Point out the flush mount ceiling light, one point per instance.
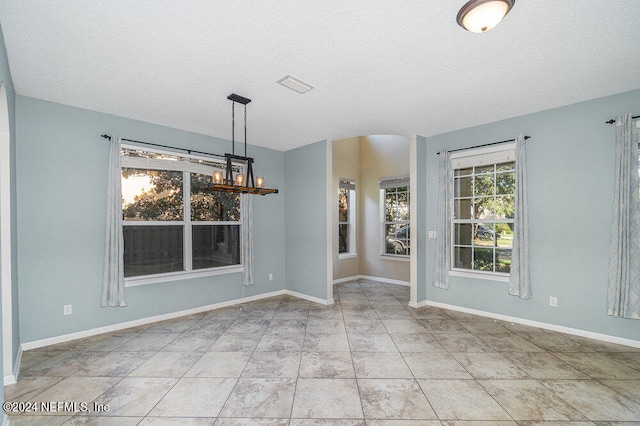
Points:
(294, 84)
(479, 16)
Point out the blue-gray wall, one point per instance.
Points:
(306, 219)
(5, 77)
(61, 183)
(570, 177)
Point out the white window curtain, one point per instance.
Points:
(519, 281)
(443, 225)
(623, 296)
(246, 217)
(113, 275)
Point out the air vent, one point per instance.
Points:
(294, 84)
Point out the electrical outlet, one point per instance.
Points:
(67, 310)
(270, 277)
(553, 301)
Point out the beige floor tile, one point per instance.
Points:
(555, 342)
(191, 341)
(326, 342)
(236, 421)
(479, 326)
(599, 366)
(281, 342)
(364, 326)
(320, 325)
(37, 420)
(489, 365)
(260, 398)
(230, 342)
(543, 365)
(628, 388)
(63, 364)
(151, 342)
(219, 364)
(529, 400)
(371, 343)
(77, 389)
(195, 397)
(380, 365)
(167, 364)
(327, 398)
(595, 400)
(104, 421)
(508, 342)
(435, 366)
(447, 325)
(326, 365)
(403, 423)
(326, 422)
(461, 400)
(135, 396)
(28, 388)
(273, 364)
(170, 421)
(462, 343)
(403, 326)
(287, 326)
(394, 399)
(422, 342)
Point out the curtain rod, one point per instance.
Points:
(613, 121)
(486, 144)
(189, 151)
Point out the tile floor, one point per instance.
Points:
(366, 360)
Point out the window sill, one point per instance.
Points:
(179, 276)
(347, 255)
(396, 258)
(490, 276)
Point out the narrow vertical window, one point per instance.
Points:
(346, 217)
(396, 233)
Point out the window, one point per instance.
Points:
(169, 224)
(394, 193)
(483, 210)
(346, 217)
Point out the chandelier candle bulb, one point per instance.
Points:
(240, 179)
(217, 177)
(259, 182)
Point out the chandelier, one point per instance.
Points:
(238, 184)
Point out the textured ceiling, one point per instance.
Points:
(377, 66)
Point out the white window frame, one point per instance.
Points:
(478, 157)
(387, 183)
(187, 167)
(350, 186)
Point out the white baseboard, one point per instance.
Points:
(418, 305)
(9, 380)
(143, 321)
(371, 278)
(543, 325)
(309, 298)
(13, 378)
(345, 280)
(385, 280)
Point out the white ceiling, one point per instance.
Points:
(377, 66)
